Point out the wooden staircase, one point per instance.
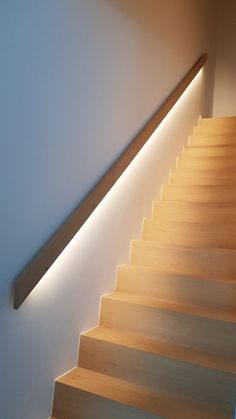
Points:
(166, 342)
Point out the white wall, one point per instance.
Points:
(78, 80)
(225, 80)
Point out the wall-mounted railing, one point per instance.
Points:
(36, 269)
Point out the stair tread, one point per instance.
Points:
(164, 349)
(230, 118)
(211, 313)
(164, 405)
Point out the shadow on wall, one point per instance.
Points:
(161, 20)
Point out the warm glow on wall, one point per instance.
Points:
(155, 143)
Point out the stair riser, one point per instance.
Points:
(208, 293)
(212, 151)
(72, 403)
(195, 194)
(212, 140)
(196, 177)
(218, 264)
(222, 130)
(211, 163)
(156, 372)
(194, 235)
(168, 211)
(210, 335)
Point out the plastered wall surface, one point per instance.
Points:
(225, 81)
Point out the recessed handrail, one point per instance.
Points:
(40, 264)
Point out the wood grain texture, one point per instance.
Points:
(99, 396)
(167, 286)
(166, 340)
(222, 164)
(210, 151)
(218, 121)
(202, 177)
(198, 212)
(215, 129)
(35, 270)
(211, 139)
(190, 234)
(163, 366)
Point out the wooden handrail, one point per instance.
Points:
(35, 270)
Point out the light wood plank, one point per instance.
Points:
(218, 121)
(89, 395)
(211, 139)
(207, 163)
(190, 234)
(214, 130)
(199, 212)
(156, 365)
(198, 262)
(202, 177)
(152, 282)
(214, 330)
(203, 193)
(210, 151)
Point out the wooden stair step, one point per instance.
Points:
(166, 350)
(219, 120)
(197, 262)
(177, 288)
(206, 163)
(190, 234)
(208, 313)
(210, 151)
(202, 177)
(202, 193)
(209, 140)
(214, 330)
(90, 395)
(165, 344)
(202, 212)
(214, 130)
(86, 394)
(156, 365)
